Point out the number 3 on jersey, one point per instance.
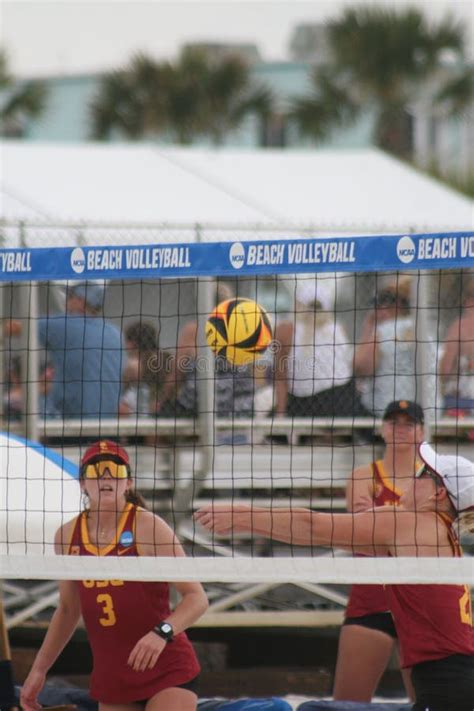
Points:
(108, 617)
(465, 607)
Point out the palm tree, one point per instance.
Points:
(130, 101)
(198, 96)
(329, 106)
(379, 58)
(227, 95)
(19, 100)
(457, 94)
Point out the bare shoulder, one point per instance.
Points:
(154, 536)
(359, 489)
(362, 473)
(148, 520)
(63, 535)
(420, 534)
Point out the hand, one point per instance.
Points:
(30, 690)
(222, 518)
(146, 652)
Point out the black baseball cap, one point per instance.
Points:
(405, 407)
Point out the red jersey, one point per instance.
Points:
(432, 621)
(370, 599)
(117, 614)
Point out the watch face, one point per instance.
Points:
(166, 628)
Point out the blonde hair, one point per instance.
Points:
(465, 522)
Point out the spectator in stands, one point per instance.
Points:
(13, 398)
(457, 362)
(234, 385)
(145, 370)
(368, 635)
(142, 656)
(13, 404)
(433, 622)
(385, 359)
(86, 353)
(314, 358)
(46, 382)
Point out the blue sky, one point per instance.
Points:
(72, 36)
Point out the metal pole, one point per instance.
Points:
(423, 365)
(205, 400)
(33, 366)
(205, 375)
(30, 353)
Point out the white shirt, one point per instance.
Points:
(395, 378)
(319, 360)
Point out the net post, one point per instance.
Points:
(206, 400)
(32, 368)
(423, 365)
(205, 375)
(30, 355)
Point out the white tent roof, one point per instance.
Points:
(335, 191)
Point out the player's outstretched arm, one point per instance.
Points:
(372, 532)
(270, 523)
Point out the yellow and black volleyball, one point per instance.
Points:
(239, 330)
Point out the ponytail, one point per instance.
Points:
(134, 497)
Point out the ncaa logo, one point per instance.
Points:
(78, 260)
(126, 539)
(237, 255)
(406, 250)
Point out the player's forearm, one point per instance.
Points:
(285, 525)
(307, 528)
(190, 609)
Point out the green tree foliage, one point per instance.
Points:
(379, 59)
(457, 94)
(18, 100)
(198, 96)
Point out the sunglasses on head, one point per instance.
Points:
(431, 474)
(98, 470)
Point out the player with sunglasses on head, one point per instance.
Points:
(141, 656)
(433, 622)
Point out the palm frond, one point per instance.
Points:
(457, 94)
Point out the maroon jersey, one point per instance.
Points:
(432, 621)
(117, 614)
(370, 599)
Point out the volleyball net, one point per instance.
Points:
(284, 429)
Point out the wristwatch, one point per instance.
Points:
(164, 630)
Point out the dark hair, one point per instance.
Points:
(388, 297)
(133, 496)
(14, 367)
(142, 335)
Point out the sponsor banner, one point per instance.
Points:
(353, 254)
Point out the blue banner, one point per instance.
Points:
(350, 254)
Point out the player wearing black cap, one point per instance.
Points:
(368, 635)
